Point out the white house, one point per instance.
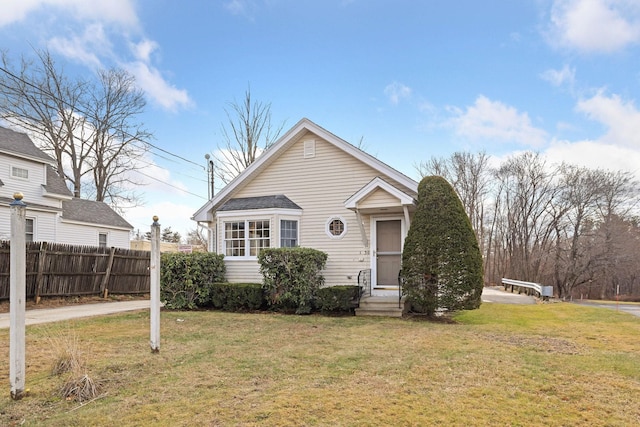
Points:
(53, 214)
(313, 189)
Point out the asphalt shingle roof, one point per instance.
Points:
(92, 212)
(55, 183)
(278, 201)
(17, 143)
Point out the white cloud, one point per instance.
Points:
(498, 122)
(620, 117)
(396, 92)
(115, 11)
(144, 49)
(595, 25)
(85, 48)
(157, 88)
(566, 75)
(594, 155)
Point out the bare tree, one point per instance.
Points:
(249, 132)
(41, 100)
(469, 174)
(117, 140)
(88, 128)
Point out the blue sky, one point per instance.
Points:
(415, 79)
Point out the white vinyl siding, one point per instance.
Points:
(31, 188)
(89, 235)
(320, 186)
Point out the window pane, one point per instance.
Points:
(258, 236)
(234, 238)
(288, 233)
(102, 240)
(29, 230)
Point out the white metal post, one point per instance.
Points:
(17, 296)
(154, 271)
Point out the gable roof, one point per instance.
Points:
(278, 201)
(372, 186)
(92, 212)
(56, 184)
(19, 144)
(290, 137)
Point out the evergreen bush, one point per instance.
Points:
(237, 296)
(441, 260)
(186, 279)
(291, 277)
(337, 298)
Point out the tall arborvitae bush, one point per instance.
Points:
(441, 260)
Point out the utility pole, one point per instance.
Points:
(210, 188)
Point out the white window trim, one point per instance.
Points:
(33, 232)
(272, 215)
(14, 168)
(329, 221)
(247, 248)
(106, 233)
(297, 221)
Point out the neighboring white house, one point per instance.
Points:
(53, 214)
(313, 189)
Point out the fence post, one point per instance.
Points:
(154, 271)
(42, 257)
(17, 282)
(104, 289)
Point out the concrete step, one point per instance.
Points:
(380, 306)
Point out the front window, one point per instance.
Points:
(29, 230)
(288, 233)
(246, 238)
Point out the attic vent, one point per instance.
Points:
(309, 148)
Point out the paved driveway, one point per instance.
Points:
(627, 308)
(499, 295)
(46, 315)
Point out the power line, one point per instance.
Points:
(86, 114)
(170, 185)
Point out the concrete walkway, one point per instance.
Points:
(46, 315)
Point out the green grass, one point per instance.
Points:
(547, 364)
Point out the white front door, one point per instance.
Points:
(387, 254)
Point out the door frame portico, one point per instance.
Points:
(375, 290)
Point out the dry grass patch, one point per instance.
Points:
(500, 365)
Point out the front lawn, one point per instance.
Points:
(546, 364)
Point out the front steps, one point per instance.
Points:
(386, 306)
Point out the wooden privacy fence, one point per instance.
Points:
(55, 269)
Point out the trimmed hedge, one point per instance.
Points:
(186, 279)
(336, 299)
(237, 296)
(291, 277)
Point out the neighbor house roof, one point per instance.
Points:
(299, 129)
(90, 211)
(17, 143)
(279, 201)
(56, 183)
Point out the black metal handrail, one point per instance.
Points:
(400, 281)
(364, 283)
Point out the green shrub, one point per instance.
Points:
(186, 279)
(291, 277)
(441, 260)
(237, 296)
(337, 298)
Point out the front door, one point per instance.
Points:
(388, 254)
